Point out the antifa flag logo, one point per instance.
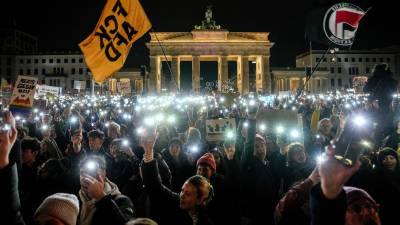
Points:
(341, 22)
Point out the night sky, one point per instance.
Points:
(61, 25)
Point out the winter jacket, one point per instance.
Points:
(326, 211)
(10, 205)
(260, 183)
(385, 189)
(393, 140)
(293, 208)
(168, 202)
(296, 173)
(114, 208)
(180, 170)
(73, 161)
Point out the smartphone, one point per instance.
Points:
(348, 148)
(4, 127)
(91, 168)
(252, 106)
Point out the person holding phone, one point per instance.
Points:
(102, 202)
(260, 178)
(185, 208)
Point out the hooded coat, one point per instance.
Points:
(114, 208)
(385, 188)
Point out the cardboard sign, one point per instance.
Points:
(21, 100)
(43, 90)
(23, 92)
(215, 129)
(79, 85)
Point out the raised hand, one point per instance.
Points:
(8, 135)
(334, 174)
(314, 176)
(147, 140)
(93, 187)
(253, 109)
(77, 142)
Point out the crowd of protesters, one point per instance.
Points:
(113, 160)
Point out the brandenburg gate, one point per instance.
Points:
(208, 42)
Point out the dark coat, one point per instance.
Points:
(225, 207)
(296, 173)
(260, 183)
(393, 140)
(325, 211)
(294, 207)
(10, 205)
(180, 171)
(73, 161)
(113, 209)
(167, 201)
(27, 185)
(385, 189)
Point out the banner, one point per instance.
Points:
(215, 129)
(22, 97)
(120, 25)
(43, 90)
(79, 85)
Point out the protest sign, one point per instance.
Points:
(22, 97)
(215, 129)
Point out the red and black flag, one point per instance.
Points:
(335, 26)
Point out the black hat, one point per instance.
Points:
(385, 152)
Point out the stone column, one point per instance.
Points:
(222, 73)
(259, 74)
(263, 75)
(326, 84)
(280, 88)
(155, 74)
(243, 74)
(196, 73)
(176, 73)
(287, 80)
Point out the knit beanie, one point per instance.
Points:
(62, 206)
(354, 194)
(209, 160)
(385, 152)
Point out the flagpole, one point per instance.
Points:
(92, 87)
(166, 59)
(308, 77)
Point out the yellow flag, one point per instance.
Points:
(314, 120)
(122, 22)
